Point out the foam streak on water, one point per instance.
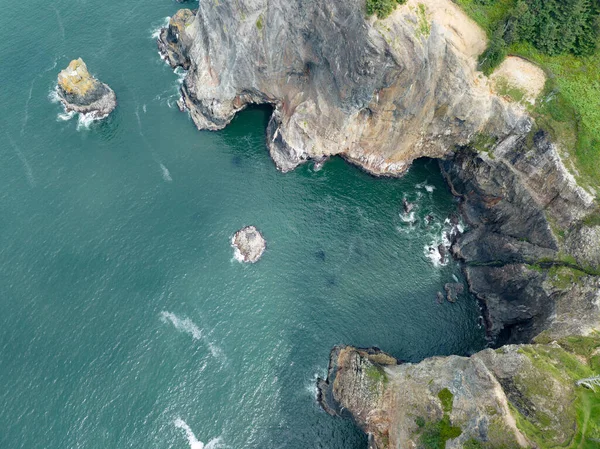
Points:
(192, 440)
(23, 159)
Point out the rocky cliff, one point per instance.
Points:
(534, 396)
(382, 93)
(378, 92)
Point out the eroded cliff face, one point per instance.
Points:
(382, 93)
(378, 92)
(518, 396)
(528, 255)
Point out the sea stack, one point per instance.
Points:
(249, 244)
(81, 92)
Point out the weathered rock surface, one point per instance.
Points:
(486, 398)
(248, 244)
(382, 93)
(513, 196)
(378, 92)
(81, 92)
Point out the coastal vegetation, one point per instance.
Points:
(562, 38)
(382, 8)
(435, 434)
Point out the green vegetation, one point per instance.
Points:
(376, 374)
(507, 90)
(561, 36)
(435, 434)
(424, 27)
(565, 366)
(382, 8)
(446, 398)
(259, 22)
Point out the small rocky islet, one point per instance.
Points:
(249, 244)
(81, 92)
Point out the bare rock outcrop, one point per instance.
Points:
(378, 92)
(484, 401)
(248, 244)
(80, 92)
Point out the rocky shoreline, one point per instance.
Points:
(381, 93)
(80, 92)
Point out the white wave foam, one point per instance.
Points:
(189, 327)
(156, 31)
(192, 440)
(427, 187)
(65, 116)
(408, 218)
(181, 74)
(237, 255)
(166, 174)
(53, 96)
(84, 121)
(144, 108)
(182, 324)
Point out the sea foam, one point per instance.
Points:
(156, 31)
(182, 324)
(192, 440)
(189, 327)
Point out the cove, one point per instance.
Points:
(125, 321)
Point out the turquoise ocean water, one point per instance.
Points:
(125, 321)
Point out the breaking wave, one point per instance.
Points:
(156, 31)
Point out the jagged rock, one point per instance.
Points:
(407, 206)
(480, 397)
(81, 92)
(248, 244)
(508, 198)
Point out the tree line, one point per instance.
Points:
(551, 26)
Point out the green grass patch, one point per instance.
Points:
(435, 434)
(382, 8)
(259, 23)
(376, 374)
(423, 25)
(567, 368)
(505, 89)
(446, 398)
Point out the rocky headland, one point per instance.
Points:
(249, 244)
(381, 93)
(80, 92)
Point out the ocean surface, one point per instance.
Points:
(125, 320)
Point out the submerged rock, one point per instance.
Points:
(249, 244)
(453, 290)
(81, 92)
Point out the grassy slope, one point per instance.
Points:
(570, 106)
(575, 359)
